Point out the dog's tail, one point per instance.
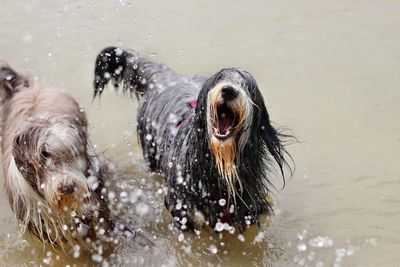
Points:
(111, 64)
(138, 74)
(10, 81)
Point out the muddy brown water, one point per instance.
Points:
(329, 71)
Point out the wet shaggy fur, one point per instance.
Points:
(53, 177)
(210, 137)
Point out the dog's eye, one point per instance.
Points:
(45, 154)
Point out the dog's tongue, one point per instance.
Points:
(225, 122)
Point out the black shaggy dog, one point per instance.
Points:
(210, 137)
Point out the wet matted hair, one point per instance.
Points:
(53, 177)
(211, 138)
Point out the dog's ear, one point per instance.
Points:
(10, 79)
(28, 153)
(273, 139)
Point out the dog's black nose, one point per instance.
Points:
(66, 189)
(228, 92)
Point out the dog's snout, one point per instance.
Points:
(228, 92)
(66, 188)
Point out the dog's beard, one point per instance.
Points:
(59, 220)
(225, 156)
(228, 127)
(67, 190)
(62, 219)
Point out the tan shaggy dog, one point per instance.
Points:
(53, 177)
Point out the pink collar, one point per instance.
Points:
(193, 105)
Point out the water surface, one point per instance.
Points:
(329, 71)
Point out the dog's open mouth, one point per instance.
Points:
(225, 122)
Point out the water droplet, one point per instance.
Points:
(213, 249)
(302, 235)
(184, 220)
(371, 241)
(97, 258)
(231, 209)
(92, 182)
(260, 237)
(219, 227)
(111, 195)
(178, 206)
(77, 251)
(179, 180)
(181, 237)
(123, 196)
(350, 251)
(301, 247)
(321, 242)
(241, 238)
